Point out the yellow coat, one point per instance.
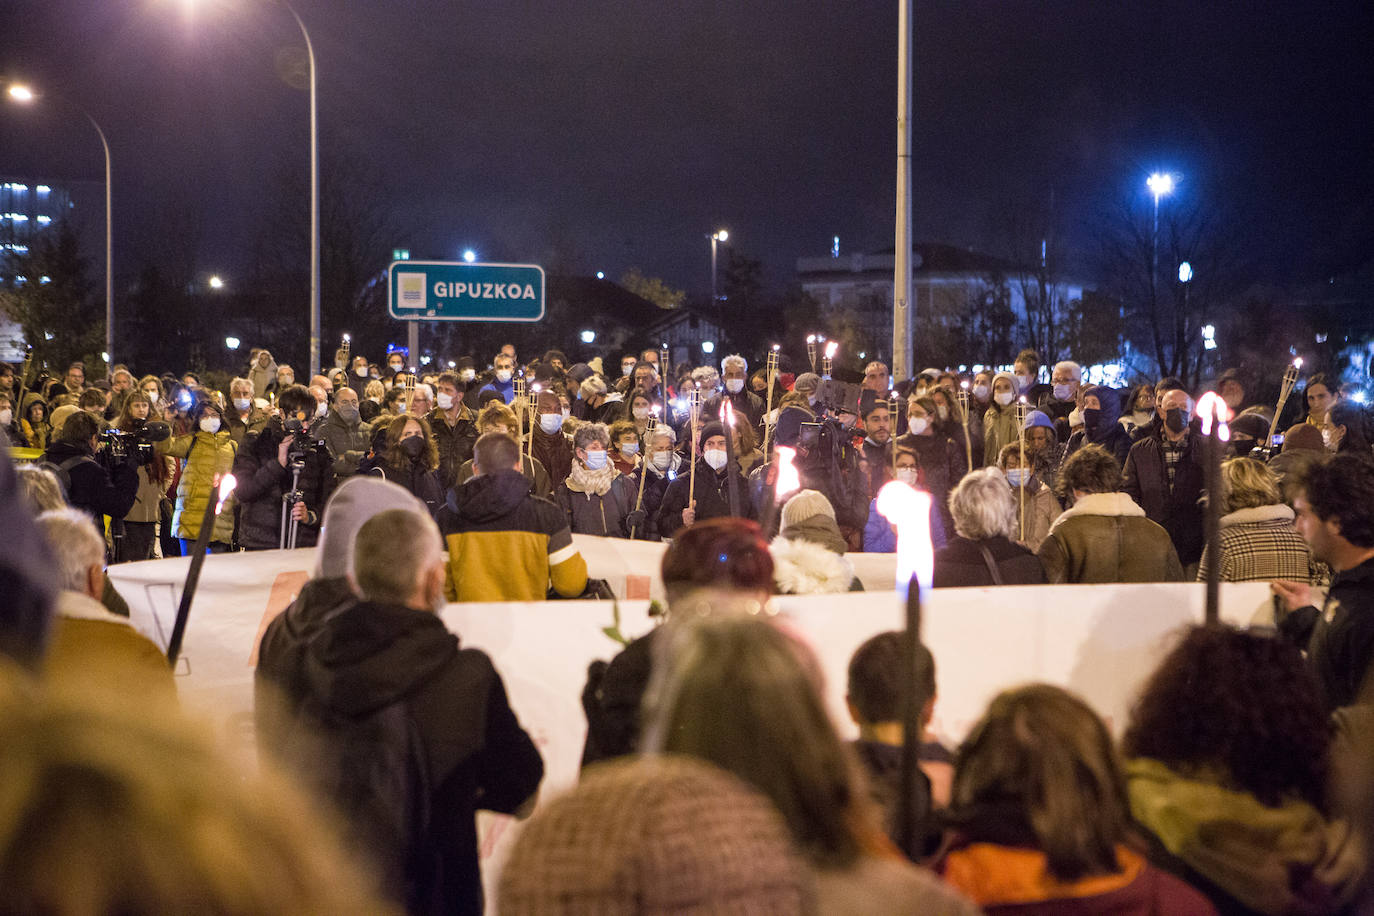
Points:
(209, 454)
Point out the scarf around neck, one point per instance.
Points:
(582, 480)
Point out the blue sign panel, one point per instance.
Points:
(459, 291)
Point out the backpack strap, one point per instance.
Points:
(991, 564)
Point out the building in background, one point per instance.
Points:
(27, 209)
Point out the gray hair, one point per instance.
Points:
(39, 489)
(982, 505)
(241, 382)
(593, 386)
(664, 430)
(588, 433)
(734, 361)
(391, 553)
(1071, 367)
(76, 546)
(706, 376)
(424, 389)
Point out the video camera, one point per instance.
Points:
(118, 446)
(304, 441)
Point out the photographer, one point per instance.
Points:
(91, 486)
(140, 524)
(826, 461)
(264, 470)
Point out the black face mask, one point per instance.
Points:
(1242, 446)
(413, 446)
(1174, 420)
(1091, 417)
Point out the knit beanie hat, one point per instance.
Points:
(353, 503)
(807, 381)
(1038, 418)
(714, 428)
(803, 506)
(654, 835)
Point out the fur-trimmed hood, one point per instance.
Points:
(803, 568)
(1110, 504)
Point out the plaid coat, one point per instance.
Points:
(1260, 545)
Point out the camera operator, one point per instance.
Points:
(91, 485)
(826, 461)
(264, 470)
(140, 524)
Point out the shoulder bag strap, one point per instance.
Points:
(991, 564)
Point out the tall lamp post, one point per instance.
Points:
(26, 95)
(1161, 184)
(716, 238)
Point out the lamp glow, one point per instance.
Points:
(1161, 184)
(469, 256)
(21, 93)
(232, 343)
(216, 282)
(708, 346)
(588, 337)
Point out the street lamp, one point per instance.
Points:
(469, 255)
(25, 95)
(716, 237)
(588, 337)
(1161, 184)
(216, 282)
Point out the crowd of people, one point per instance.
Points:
(715, 779)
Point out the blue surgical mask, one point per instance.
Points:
(1017, 476)
(550, 422)
(629, 448)
(595, 461)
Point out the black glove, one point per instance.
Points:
(635, 520)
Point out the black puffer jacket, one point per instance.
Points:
(90, 486)
(351, 660)
(261, 482)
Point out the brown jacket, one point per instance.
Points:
(1105, 537)
(95, 649)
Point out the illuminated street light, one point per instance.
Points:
(708, 347)
(469, 255)
(716, 238)
(1185, 272)
(25, 95)
(216, 282)
(601, 275)
(1161, 184)
(588, 337)
(232, 343)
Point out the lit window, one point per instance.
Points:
(44, 220)
(45, 279)
(20, 280)
(43, 189)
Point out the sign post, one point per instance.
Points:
(459, 291)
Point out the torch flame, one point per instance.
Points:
(1297, 363)
(789, 480)
(727, 413)
(226, 488)
(1209, 407)
(908, 509)
(830, 349)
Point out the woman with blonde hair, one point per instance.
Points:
(1040, 816)
(1258, 542)
(739, 692)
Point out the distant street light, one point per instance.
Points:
(1161, 184)
(232, 343)
(1185, 272)
(469, 255)
(588, 337)
(601, 275)
(708, 347)
(216, 282)
(716, 238)
(25, 95)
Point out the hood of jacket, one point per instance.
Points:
(491, 496)
(373, 654)
(1249, 850)
(801, 567)
(1110, 402)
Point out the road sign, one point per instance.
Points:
(458, 291)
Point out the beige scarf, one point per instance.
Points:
(582, 480)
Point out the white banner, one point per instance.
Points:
(1099, 641)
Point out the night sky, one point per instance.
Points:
(619, 134)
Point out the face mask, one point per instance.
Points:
(6, 416)
(629, 448)
(413, 446)
(917, 426)
(1023, 382)
(627, 368)
(812, 399)
(321, 409)
(1175, 420)
(907, 476)
(980, 392)
(640, 413)
(662, 460)
(715, 457)
(921, 391)
(550, 422)
(1017, 476)
(1091, 416)
(734, 385)
(286, 382)
(1328, 440)
(1003, 397)
(444, 400)
(348, 413)
(242, 404)
(942, 411)
(1063, 392)
(209, 424)
(1142, 417)
(503, 375)
(595, 461)
(400, 407)
(468, 375)
(361, 372)
(1075, 418)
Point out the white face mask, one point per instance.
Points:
(1142, 417)
(444, 400)
(715, 457)
(1063, 391)
(627, 368)
(1328, 440)
(641, 413)
(1075, 417)
(1004, 397)
(6, 416)
(467, 375)
(980, 392)
(396, 367)
(629, 448)
(662, 460)
(1016, 476)
(400, 407)
(503, 375)
(943, 411)
(907, 476)
(550, 422)
(595, 460)
(209, 424)
(734, 385)
(360, 372)
(242, 404)
(918, 425)
(1023, 382)
(321, 409)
